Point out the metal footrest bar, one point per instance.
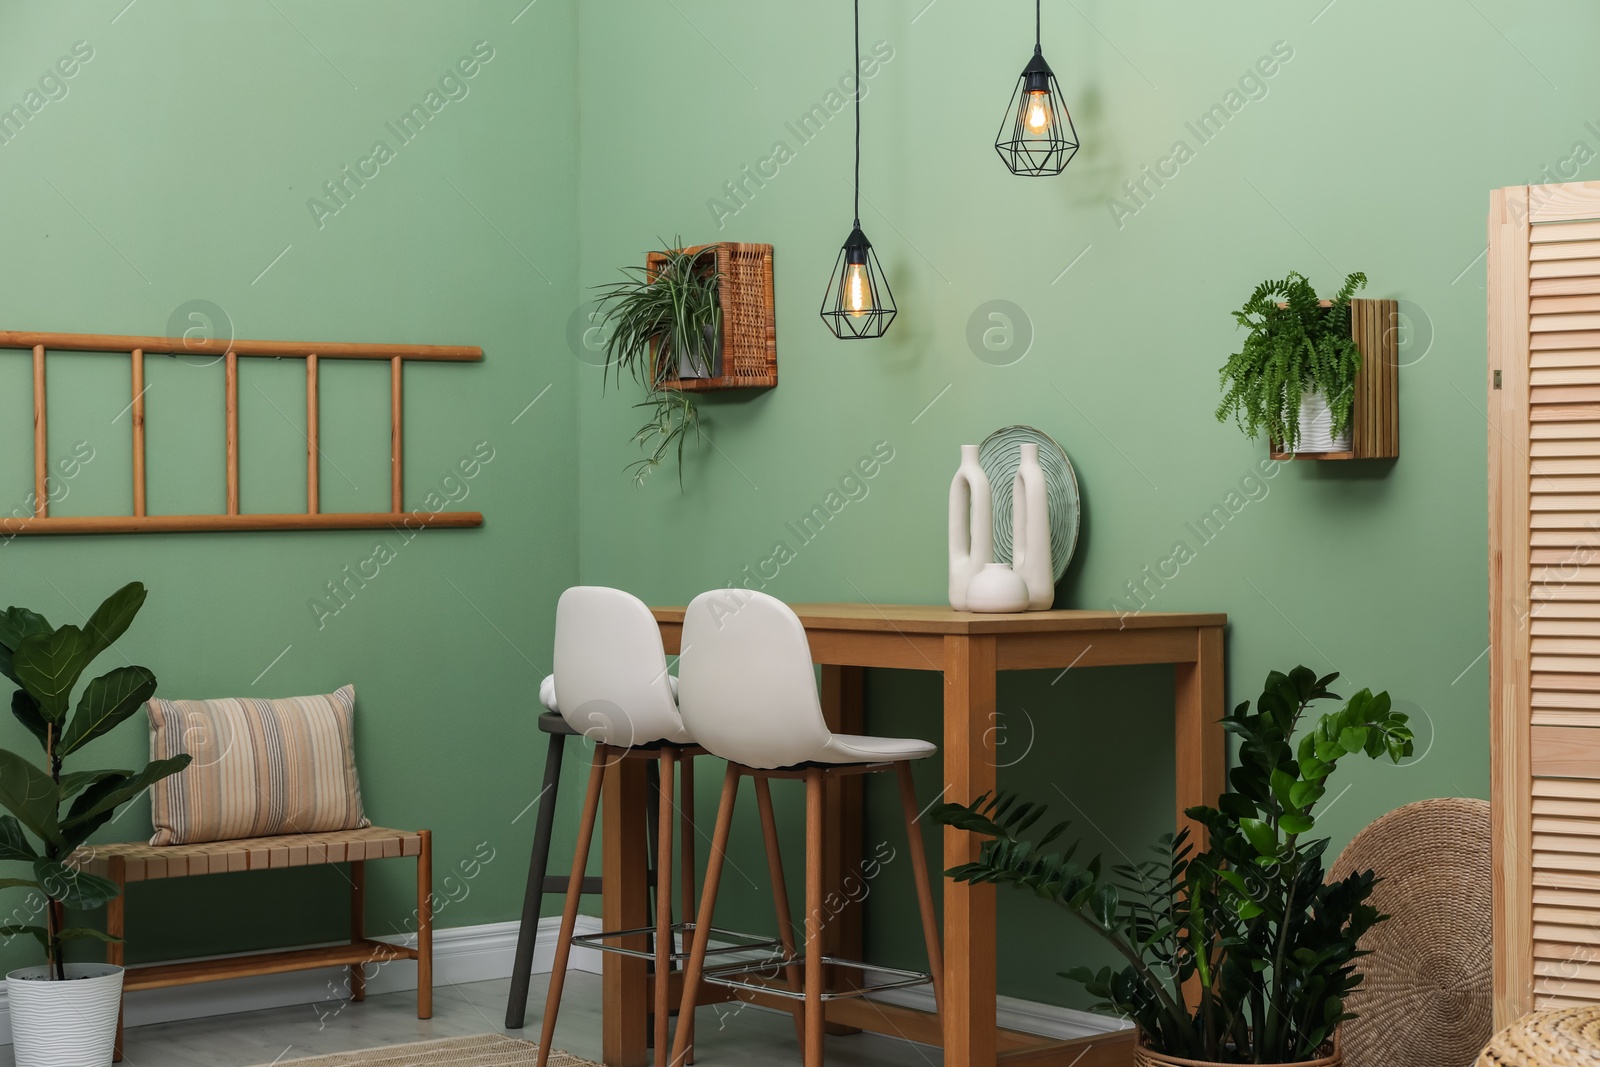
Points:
(724, 942)
(744, 976)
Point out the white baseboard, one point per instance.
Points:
(476, 954)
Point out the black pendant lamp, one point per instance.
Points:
(858, 303)
(1037, 137)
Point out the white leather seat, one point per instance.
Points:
(748, 694)
(615, 689)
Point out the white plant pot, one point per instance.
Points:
(64, 1024)
(1316, 426)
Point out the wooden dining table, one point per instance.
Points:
(969, 650)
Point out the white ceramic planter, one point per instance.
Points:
(1316, 426)
(64, 1024)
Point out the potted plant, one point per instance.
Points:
(66, 1012)
(665, 323)
(1295, 375)
(1237, 950)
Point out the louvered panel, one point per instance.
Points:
(1566, 664)
(1564, 843)
(1565, 322)
(1566, 374)
(1562, 863)
(1576, 934)
(1546, 1002)
(1565, 430)
(1567, 826)
(1565, 268)
(1574, 357)
(1567, 646)
(1559, 879)
(1563, 305)
(1549, 342)
(1583, 969)
(1560, 448)
(1572, 918)
(1574, 412)
(1554, 232)
(1548, 395)
(1576, 521)
(1566, 610)
(1554, 538)
(1565, 717)
(1562, 555)
(1563, 286)
(1549, 594)
(1569, 483)
(1559, 992)
(1545, 251)
(1561, 788)
(1564, 700)
(1545, 500)
(1567, 683)
(1572, 807)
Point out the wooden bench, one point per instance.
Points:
(139, 862)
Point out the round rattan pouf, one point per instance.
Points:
(1426, 1000)
(1565, 1037)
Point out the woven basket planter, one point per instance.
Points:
(749, 342)
(1145, 1057)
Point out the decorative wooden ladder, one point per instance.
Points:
(140, 521)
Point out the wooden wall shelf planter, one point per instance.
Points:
(749, 322)
(1375, 419)
(397, 517)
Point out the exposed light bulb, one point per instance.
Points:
(858, 298)
(1037, 109)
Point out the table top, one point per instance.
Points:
(941, 619)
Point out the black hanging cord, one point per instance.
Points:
(1038, 26)
(858, 114)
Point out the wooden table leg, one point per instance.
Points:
(844, 815)
(624, 907)
(1201, 744)
(969, 911)
(116, 914)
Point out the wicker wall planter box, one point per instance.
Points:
(1375, 419)
(749, 324)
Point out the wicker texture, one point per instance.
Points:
(484, 1050)
(1565, 1037)
(1427, 998)
(142, 862)
(1143, 1057)
(749, 322)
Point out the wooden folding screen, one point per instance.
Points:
(1544, 578)
(41, 522)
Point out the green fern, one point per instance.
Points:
(1295, 345)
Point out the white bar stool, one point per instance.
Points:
(748, 694)
(613, 688)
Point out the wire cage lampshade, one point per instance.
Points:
(1037, 137)
(858, 303)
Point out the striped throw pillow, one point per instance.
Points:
(260, 767)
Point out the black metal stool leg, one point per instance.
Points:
(528, 934)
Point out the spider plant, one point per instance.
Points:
(661, 321)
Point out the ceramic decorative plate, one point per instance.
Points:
(1000, 455)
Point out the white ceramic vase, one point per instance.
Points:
(1316, 426)
(997, 589)
(1030, 530)
(64, 1024)
(971, 525)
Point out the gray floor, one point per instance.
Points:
(747, 1037)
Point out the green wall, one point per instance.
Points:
(1372, 146)
(176, 168)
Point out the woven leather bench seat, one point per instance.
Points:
(142, 862)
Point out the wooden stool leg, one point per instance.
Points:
(814, 976)
(425, 926)
(686, 831)
(116, 914)
(652, 837)
(533, 896)
(358, 926)
(919, 872)
(569, 914)
(696, 963)
(663, 973)
(780, 900)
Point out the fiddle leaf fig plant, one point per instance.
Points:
(60, 809)
(663, 321)
(1295, 346)
(1245, 921)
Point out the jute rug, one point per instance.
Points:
(484, 1050)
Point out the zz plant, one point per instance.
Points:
(657, 320)
(1295, 345)
(62, 808)
(1245, 919)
